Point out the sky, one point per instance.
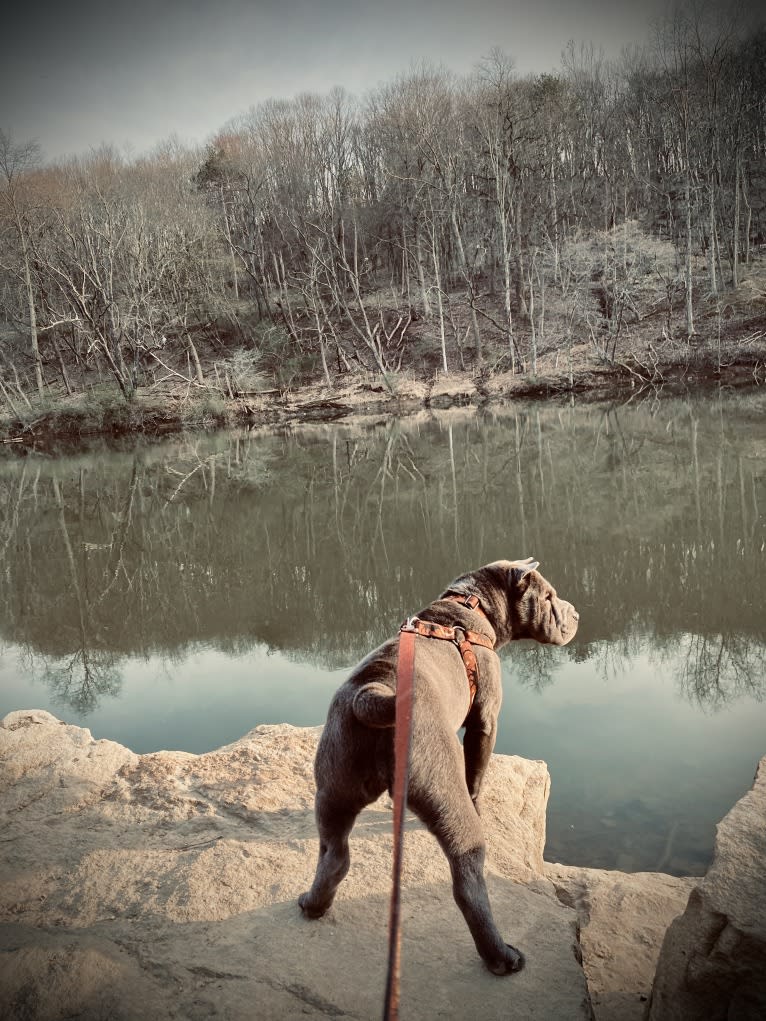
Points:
(133, 73)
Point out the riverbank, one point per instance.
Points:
(165, 885)
(178, 405)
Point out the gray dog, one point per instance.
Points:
(499, 603)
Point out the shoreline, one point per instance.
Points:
(80, 418)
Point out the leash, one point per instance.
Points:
(405, 671)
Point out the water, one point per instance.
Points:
(176, 595)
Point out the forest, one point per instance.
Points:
(610, 214)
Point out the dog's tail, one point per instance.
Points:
(374, 705)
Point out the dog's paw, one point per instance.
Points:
(514, 961)
(309, 910)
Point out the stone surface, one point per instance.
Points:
(623, 918)
(165, 886)
(713, 959)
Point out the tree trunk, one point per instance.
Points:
(421, 274)
(507, 284)
(231, 246)
(462, 262)
(712, 253)
(688, 275)
(62, 365)
(555, 220)
(533, 334)
(440, 306)
(32, 313)
(520, 267)
(195, 359)
(320, 336)
(735, 232)
(405, 269)
(749, 218)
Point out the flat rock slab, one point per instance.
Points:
(271, 963)
(623, 919)
(165, 885)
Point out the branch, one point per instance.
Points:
(59, 322)
(186, 379)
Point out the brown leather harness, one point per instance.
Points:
(460, 636)
(464, 640)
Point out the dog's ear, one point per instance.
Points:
(520, 568)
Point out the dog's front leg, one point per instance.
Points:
(477, 749)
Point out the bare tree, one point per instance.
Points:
(16, 163)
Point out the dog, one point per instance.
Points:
(499, 603)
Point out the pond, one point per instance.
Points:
(177, 595)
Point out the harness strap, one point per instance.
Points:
(472, 602)
(462, 638)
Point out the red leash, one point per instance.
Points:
(402, 735)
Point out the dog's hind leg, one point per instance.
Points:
(445, 806)
(334, 822)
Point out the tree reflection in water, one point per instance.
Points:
(720, 668)
(82, 680)
(314, 543)
(317, 541)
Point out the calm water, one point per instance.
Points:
(175, 596)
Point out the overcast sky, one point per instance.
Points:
(133, 72)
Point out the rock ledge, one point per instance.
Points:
(165, 886)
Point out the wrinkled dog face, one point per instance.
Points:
(537, 611)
